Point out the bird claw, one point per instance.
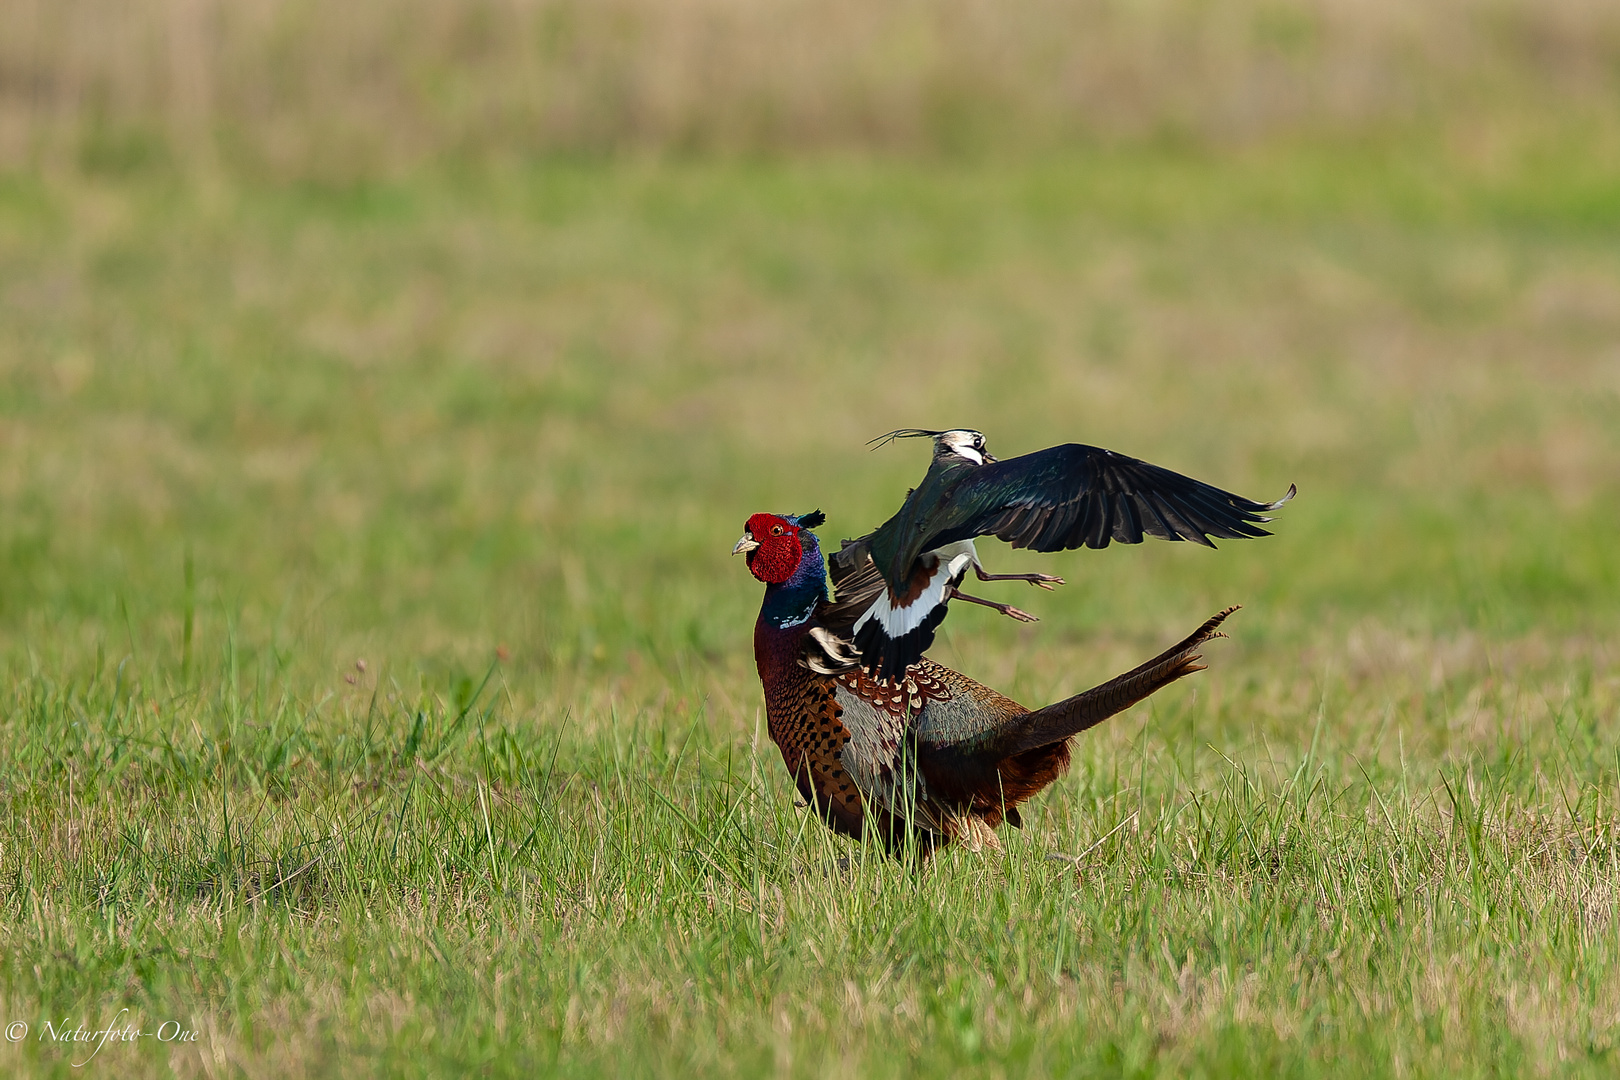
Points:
(1006, 609)
(1044, 581)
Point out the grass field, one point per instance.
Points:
(377, 688)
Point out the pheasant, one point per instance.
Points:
(1062, 497)
(921, 760)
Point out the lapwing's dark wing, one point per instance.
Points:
(855, 584)
(1084, 496)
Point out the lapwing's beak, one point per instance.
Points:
(989, 458)
(747, 543)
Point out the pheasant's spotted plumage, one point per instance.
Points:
(931, 757)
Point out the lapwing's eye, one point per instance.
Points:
(776, 530)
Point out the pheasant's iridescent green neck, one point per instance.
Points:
(793, 601)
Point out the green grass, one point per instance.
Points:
(378, 696)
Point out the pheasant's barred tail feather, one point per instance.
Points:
(1071, 716)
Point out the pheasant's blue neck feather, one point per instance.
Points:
(793, 601)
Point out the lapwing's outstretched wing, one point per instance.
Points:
(1074, 496)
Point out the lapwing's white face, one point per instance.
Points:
(965, 444)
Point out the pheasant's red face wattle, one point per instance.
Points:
(779, 551)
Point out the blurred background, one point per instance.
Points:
(296, 90)
(429, 330)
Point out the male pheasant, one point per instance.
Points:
(924, 759)
(1062, 497)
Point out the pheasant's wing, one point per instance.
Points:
(1074, 495)
(877, 744)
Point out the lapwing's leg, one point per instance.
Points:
(1006, 609)
(1045, 581)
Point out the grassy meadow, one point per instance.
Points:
(376, 692)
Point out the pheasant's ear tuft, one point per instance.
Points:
(810, 520)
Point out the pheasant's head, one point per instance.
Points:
(775, 544)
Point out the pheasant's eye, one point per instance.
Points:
(776, 530)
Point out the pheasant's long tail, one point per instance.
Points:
(1073, 715)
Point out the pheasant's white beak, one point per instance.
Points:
(747, 543)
